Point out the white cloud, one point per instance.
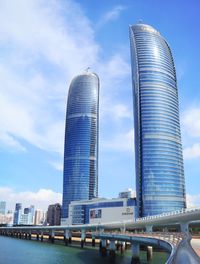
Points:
(41, 51)
(114, 74)
(115, 112)
(42, 48)
(111, 15)
(52, 31)
(191, 132)
(121, 111)
(114, 69)
(57, 165)
(193, 200)
(181, 68)
(41, 198)
(191, 122)
(36, 34)
(192, 152)
(120, 142)
(9, 140)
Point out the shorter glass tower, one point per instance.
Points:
(80, 176)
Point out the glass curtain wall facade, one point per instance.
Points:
(80, 179)
(160, 182)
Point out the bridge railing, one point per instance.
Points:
(177, 212)
(172, 237)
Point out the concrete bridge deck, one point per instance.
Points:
(171, 242)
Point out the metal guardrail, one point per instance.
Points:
(178, 212)
(172, 237)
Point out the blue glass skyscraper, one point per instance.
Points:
(80, 176)
(17, 214)
(160, 182)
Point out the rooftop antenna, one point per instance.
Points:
(140, 21)
(87, 69)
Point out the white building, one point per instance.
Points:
(39, 217)
(128, 193)
(101, 210)
(24, 219)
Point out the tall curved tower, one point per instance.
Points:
(80, 176)
(160, 182)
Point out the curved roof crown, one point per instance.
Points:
(143, 27)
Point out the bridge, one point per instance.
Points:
(136, 233)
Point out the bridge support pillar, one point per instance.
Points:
(126, 245)
(123, 229)
(70, 237)
(118, 245)
(149, 228)
(66, 240)
(82, 238)
(93, 242)
(184, 227)
(20, 235)
(122, 247)
(51, 236)
(135, 247)
(102, 248)
(26, 235)
(37, 236)
(67, 237)
(165, 229)
(149, 253)
(29, 236)
(112, 249)
(41, 237)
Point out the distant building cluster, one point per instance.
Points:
(30, 215)
(96, 210)
(6, 218)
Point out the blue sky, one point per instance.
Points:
(43, 44)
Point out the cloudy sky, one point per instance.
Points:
(43, 44)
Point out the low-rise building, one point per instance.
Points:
(100, 210)
(128, 193)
